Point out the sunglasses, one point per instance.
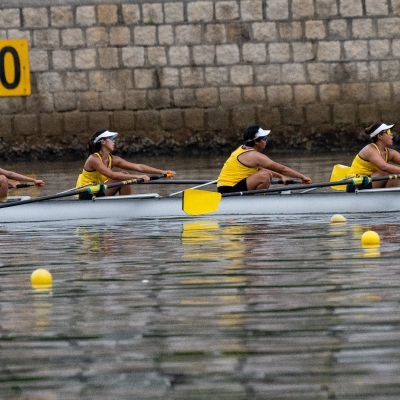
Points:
(112, 138)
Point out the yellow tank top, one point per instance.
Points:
(233, 170)
(93, 177)
(363, 167)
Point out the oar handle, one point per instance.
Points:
(21, 185)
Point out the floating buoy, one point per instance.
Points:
(337, 218)
(41, 278)
(370, 238)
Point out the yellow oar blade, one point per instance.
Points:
(339, 172)
(197, 202)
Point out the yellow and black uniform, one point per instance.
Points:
(233, 174)
(363, 167)
(92, 177)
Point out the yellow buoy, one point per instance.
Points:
(337, 218)
(41, 278)
(370, 238)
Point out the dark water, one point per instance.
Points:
(273, 308)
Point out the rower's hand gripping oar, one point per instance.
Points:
(92, 190)
(197, 202)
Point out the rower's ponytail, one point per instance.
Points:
(94, 147)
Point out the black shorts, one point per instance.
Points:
(241, 186)
(89, 196)
(350, 188)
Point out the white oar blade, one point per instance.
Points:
(197, 202)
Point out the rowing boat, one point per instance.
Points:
(152, 205)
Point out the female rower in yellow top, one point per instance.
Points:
(99, 164)
(375, 158)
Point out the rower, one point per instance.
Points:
(5, 183)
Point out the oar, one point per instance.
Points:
(92, 190)
(209, 181)
(21, 185)
(196, 202)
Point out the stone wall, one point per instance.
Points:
(181, 75)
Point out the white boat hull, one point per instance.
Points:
(153, 206)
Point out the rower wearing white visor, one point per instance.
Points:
(100, 162)
(377, 158)
(248, 169)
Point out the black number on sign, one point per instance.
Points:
(17, 68)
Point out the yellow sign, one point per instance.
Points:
(14, 68)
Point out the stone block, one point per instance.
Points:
(85, 15)
(148, 120)
(226, 10)
(207, 97)
(356, 49)
(194, 119)
(216, 76)
(390, 70)
(279, 52)
(254, 95)
(227, 54)
(242, 75)
(49, 82)
(178, 55)
(344, 113)
(315, 30)
(88, 101)
(368, 114)
(317, 114)
(10, 18)
(215, 33)
(165, 35)
(5, 124)
(61, 16)
(377, 7)
(238, 32)
(112, 100)
(135, 99)
(144, 78)
(200, 11)
(230, 96)
(363, 28)
(123, 121)
(350, 8)
(379, 49)
(188, 34)
(303, 51)
(152, 13)
(107, 14)
(326, 8)
(173, 12)
(203, 55)
(133, 56)
(108, 57)
(120, 36)
(293, 115)
(396, 91)
(97, 36)
(354, 93)
(278, 9)
(338, 29)
(46, 38)
(268, 117)
(294, 73)
(131, 14)
(35, 17)
(75, 122)
(388, 111)
(396, 47)
(243, 117)
(279, 95)
(39, 103)
(72, 37)
(268, 74)
(159, 98)
(145, 35)
(20, 34)
(396, 7)
(11, 105)
(171, 119)
(156, 55)
(368, 71)
(169, 77)
(26, 124)
(264, 31)
(184, 97)
(305, 94)
(76, 81)
(254, 52)
(51, 124)
(99, 121)
(302, 9)
(291, 30)
(38, 60)
(85, 58)
(217, 119)
(328, 51)
(65, 101)
(193, 76)
(329, 93)
(318, 73)
(98, 80)
(251, 10)
(379, 91)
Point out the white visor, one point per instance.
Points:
(380, 128)
(261, 133)
(104, 135)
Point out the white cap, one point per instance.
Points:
(261, 133)
(104, 135)
(380, 128)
